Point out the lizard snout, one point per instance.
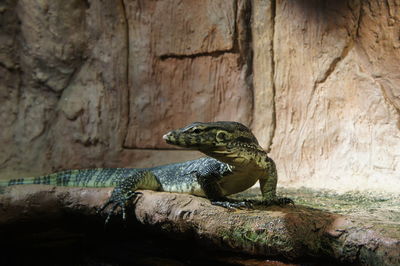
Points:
(169, 138)
(165, 137)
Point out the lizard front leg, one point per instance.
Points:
(208, 181)
(125, 190)
(213, 192)
(268, 187)
(269, 194)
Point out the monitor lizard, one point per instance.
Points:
(235, 162)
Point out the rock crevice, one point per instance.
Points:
(273, 122)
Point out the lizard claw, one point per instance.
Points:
(232, 205)
(277, 201)
(118, 201)
(284, 201)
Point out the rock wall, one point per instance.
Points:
(337, 93)
(95, 84)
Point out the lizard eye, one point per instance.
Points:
(221, 136)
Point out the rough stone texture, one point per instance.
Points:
(179, 33)
(213, 89)
(264, 123)
(95, 84)
(82, 83)
(337, 83)
(66, 106)
(180, 70)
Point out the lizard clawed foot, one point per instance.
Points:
(118, 200)
(283, 201)
(276, 201)
(232, 205)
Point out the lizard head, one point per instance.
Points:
(213, 137)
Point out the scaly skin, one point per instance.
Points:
(235, 163)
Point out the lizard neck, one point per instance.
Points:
(251, 157)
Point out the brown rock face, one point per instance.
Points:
(184, 66)
(92, 84)
(212, 88)
(336, 104)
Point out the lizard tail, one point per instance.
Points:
(98, 177)
(45, 180)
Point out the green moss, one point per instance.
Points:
(243, 236)
(378, 210)
(248, 238)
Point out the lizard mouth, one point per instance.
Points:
(171, 138)
(176, 140)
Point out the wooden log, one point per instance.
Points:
(288, 232)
